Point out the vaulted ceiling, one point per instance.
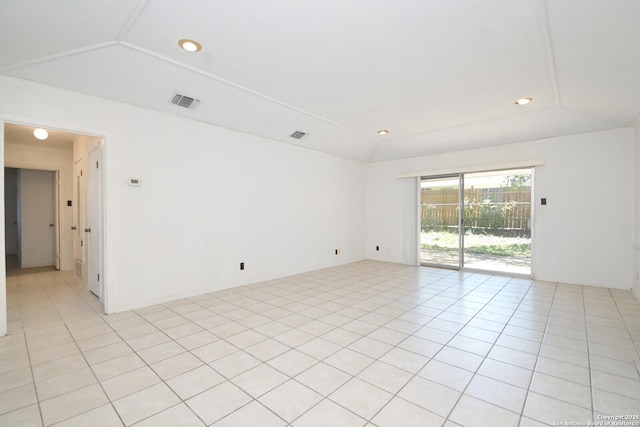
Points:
(440, 75)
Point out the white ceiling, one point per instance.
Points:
(19, 134)
(441, 75)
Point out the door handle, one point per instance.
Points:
(87, 230)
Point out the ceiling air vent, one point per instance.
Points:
(298, 134)
(184, 101)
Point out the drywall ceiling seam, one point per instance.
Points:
(56, 56)
(475, 122)
(614, 122)
(245, 89)
(553, 71)
(124, 31)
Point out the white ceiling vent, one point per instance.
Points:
(184, 101)
(298, 134)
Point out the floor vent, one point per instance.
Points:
(298, 134)
(184, 101)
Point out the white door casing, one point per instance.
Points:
(93, 225)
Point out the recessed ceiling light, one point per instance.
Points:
(523, 101)
(41, 134)
(383, 132)
(190, 45)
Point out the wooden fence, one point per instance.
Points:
(484, 208)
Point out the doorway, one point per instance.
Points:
(477, 220)
(66, 152)
(31, 218)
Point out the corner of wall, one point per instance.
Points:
(636, 247)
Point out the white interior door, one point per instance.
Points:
(78, 212)
(56, 222)
(93, 226)
(37, 191)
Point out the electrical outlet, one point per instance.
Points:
(377, 248)
(242, 266)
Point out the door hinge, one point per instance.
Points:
(81, 243)
(96, 165)
(98, 277)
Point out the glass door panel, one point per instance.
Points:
(440, 238)
(497, 221)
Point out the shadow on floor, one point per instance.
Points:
(13, 267)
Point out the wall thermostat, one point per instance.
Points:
(135, 182)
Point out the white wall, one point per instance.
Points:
(585, 233)
(211, 198)
(45, 158)
(636, 246)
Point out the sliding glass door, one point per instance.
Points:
(494, 231)
(440, 237)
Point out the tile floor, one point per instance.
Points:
(366, 344)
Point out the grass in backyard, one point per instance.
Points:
(515, 250)
(516, 247)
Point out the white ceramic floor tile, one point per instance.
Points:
(118, 366)
(349, 361)
(385, 376)
(497, 393)
(329, 414)
(214, 351)
(17, 398)
(129, 383)
(15, 378)
(145, 403)
(370, 347)
(27, 416)
(549, 410)
(557, 388)
(177, 416)
(361, 397)
(194, 382)
(505, 372)
(228, 399)
(406, 360)
(614, 404)
(447, 375)
(71, 404)
(103, 415)
(64, 383)
(323, 378)
(250, 415)
(399, 412)
(355, 334)
(259, 380)
(176, 365)
(430, 396)
(292, 362)
(473, 412)
(290, 400)
(459, 358)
